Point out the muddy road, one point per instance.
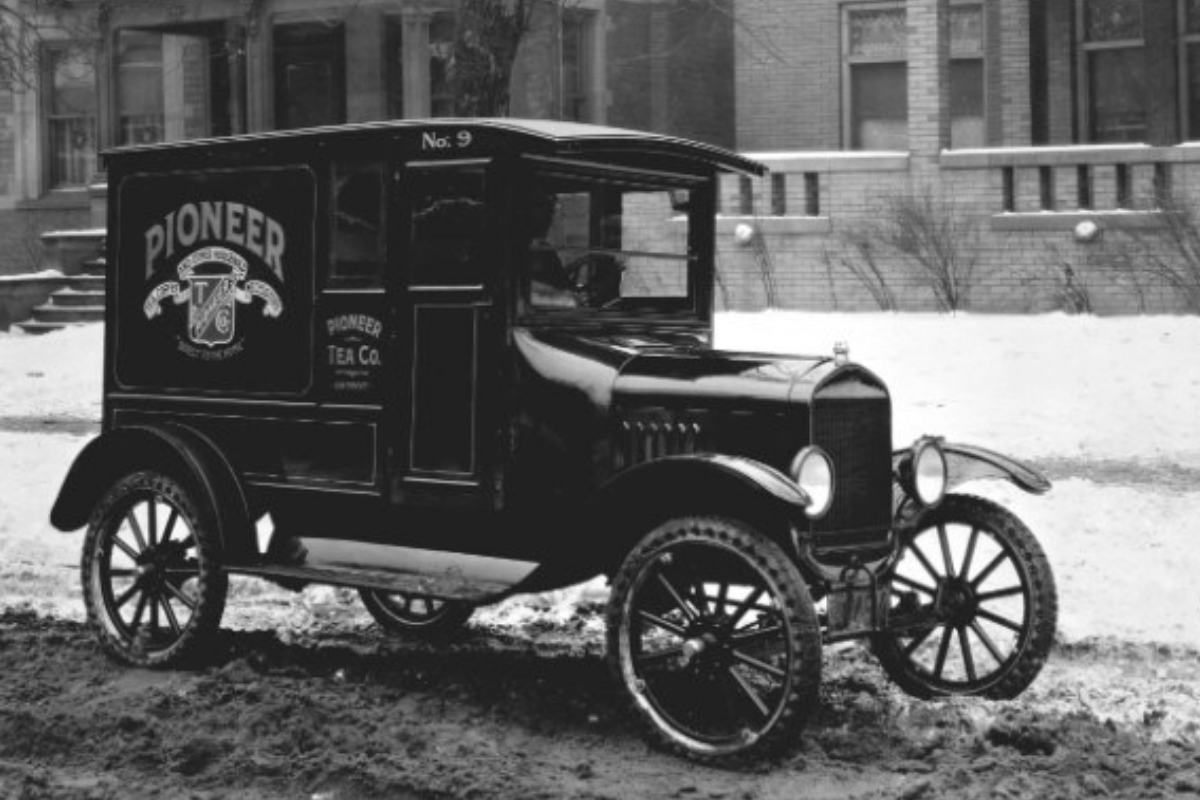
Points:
(333, 709)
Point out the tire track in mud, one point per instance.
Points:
(349, 714)
(73, 426)
(1135, 473)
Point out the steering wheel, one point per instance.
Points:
(596, 278)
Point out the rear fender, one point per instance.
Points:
(966, 463)
(634, 501)
(175, 449)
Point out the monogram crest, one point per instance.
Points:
(212, 281)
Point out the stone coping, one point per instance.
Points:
(834, 161)
(982, 158)
(1074, 155)
(77, 233)
(801, 226)
(1068, 220)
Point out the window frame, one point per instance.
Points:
(980, 56)
(582, 23)
(692, 307)
(1085, 115)
(48, 59)
(337, 32)
(1186, 42)
(849, 61)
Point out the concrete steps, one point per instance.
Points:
(80, 302)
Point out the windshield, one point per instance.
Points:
(605, 245)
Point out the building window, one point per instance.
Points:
(1190, 42)
(310, 74)
(1112, 70)
(70, 108)
(967, 123)
(876, 76)
(185, 84)
(577, 51)
(140, 109)
(441, 54)
(357, 239)
(394, 67)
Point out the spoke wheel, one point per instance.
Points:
(712, 632)
(415, 614)
(974, 606)
(151, 584)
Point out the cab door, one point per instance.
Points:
(446, 330)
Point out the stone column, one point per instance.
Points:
(366, 95)
(1060, 95)
(928, 81)
(414, 46)
(1012, 62)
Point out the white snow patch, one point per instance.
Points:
(1078, 388)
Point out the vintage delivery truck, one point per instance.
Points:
(444, 362)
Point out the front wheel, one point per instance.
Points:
(712, 632)
(151, 583)
(974, 606)
(415, 615)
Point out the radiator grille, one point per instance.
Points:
(857, 435)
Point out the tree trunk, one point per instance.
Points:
(488, 34)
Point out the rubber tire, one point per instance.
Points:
(212, 583)
(783, 737)
(449, 620)
(1042, 599)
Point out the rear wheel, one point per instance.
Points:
(974, 606)
(712, 632)
(415, 614)
(151, 583)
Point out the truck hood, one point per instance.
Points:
(616, 370)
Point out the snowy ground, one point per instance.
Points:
(1107, 406)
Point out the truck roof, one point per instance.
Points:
(551, 136)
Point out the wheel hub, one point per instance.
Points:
(699, 648)
(957, 602)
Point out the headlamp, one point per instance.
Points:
(923, 472)
(812, 470)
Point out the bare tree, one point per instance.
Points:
(938, 242)
(487, 36)
(25, 25)
(1167, 255)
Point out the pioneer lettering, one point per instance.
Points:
(212, 222)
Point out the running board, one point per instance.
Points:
(451, 576)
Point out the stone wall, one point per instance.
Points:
(1021, 209)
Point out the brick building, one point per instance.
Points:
(1016, 120)
(1013, 120)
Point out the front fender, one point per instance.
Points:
(632, 502)
(965, 462)
(747, 472)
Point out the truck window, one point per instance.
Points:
(357, 243)
(605, 245)
(447, 226)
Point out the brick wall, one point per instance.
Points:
(788, 82)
